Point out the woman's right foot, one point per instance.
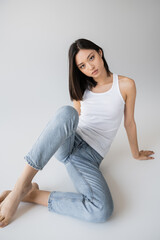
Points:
(30, 196)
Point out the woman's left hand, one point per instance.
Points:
(145, 155)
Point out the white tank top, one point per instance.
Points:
(101, 115)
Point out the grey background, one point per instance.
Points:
(34, 40)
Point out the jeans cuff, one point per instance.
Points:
(50, 202)
(31, 163)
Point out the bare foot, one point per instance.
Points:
(27, 198)
(10, 202)
(30, 194)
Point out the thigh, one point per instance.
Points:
(83, 168)
(66, 149)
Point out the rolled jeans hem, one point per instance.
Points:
(50, 202)
(30, 162)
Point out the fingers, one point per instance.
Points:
(150, 152)
(147, 153)
(145, 156)
(149, 158)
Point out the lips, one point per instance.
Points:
(95, 71)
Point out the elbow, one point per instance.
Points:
(128, 124)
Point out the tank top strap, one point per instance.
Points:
(115, 81)
(116, 86)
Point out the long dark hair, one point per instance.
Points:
(79, 82)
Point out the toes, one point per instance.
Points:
(4, 195)
(1, 218)
(3, 223)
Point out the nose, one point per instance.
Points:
(90, 66)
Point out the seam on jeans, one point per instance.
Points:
(74, 147)
(70, 150)
(83, 178)
(74, 128)
(97, 159)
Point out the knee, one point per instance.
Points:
(106, 213)
(67, 112)
(103, 214)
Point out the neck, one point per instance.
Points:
(103, 78)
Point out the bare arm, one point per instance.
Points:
(130, 124)
(77, 106)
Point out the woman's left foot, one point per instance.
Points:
(4, 194)
(9, 201)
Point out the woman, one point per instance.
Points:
(80, 137)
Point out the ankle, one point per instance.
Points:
(33, 194)
(22, 186)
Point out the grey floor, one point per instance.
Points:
(134, 186)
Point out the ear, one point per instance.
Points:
(100, 52)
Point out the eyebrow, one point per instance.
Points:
(87, 58)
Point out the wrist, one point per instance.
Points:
(135, 155)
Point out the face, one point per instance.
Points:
(89, 60)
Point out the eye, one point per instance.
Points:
(92, 57)
(81, 66)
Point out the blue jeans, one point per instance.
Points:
(93, 201)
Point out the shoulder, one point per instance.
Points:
(126, 81)
(127, 84)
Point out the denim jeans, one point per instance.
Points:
(93, 201)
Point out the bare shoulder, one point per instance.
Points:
(127, 86)
(126, 82)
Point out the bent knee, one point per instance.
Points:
(103, 214)
(106, 214)
(68, 111)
